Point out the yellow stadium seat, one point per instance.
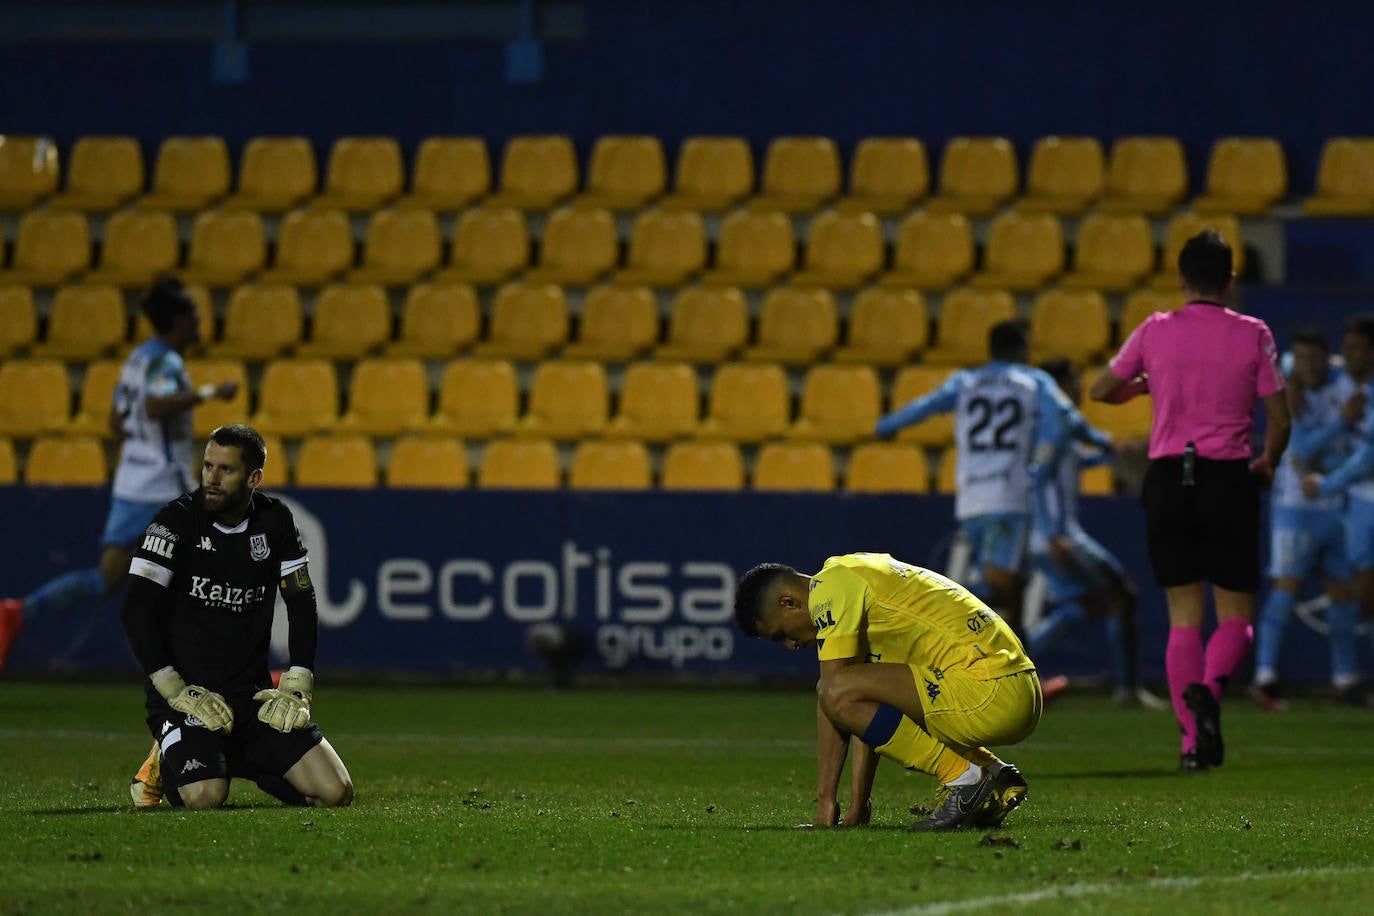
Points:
(139, 246)
(387, 397)
(946, 481)
(747, 403)
(1345, 179)
(598, 464)
(888, 175)
(537, 173)
(626, 173)
(1245, 176)
(9, 467)
(707, 324)
(18, 319)
(1066, 174)
(800, 174)
(314, 247)
(88, 320)
(215, 412)
(794, 466)
(297, 397)
(28, 171)
(887, 467)
(887, 327)
(1024, 251)
(477, 398)
(226, 247)
(1112, 252)
(363, 174)
(489, 247)
(66, 461)
(340, 461)
(966, 317)
(276, 472)
(1145, 175)
(666, 248)
(755, 249)
(528, 321)
(618, 324)
(579, 247)
(1183, 227)
(796, 327)
(713, 174)
(843, 251)
(104, 174)
(205, 321)
(840, 405)
(35, 397)
(438, 320)
(1123, 422)
(703, 466)
(52, 247)
(352, 320)
(96, 399)
(428, 462)
(1142, 304)
(1072, 324)
(1097, 481)
(261, 321)
(977, 176)
(401, 246)
(520, 464)
(569, 399)
(450, 173)
(190, 174)
(276, 174)
(658, 402)
(934, 251)
(911, 383)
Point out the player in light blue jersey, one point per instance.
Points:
(998, 410)
(1082, 579)
(1353, 477)
(152, 415)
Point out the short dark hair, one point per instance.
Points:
(1204, 262)
(1059, 369)
(1310, 334)
(246, 439)
(749, 594)
(1361, 324)
(164, 301)
(1007, 342)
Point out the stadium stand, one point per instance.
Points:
(138, 246)
(528, 321)
(840, 405)
(450, 173)
(18, 319)
(103, 174)
(297, 397)
(667, 248)
(933, 252)
(1065, 176)
(490, 245)
(887, 176)
(966, 317)
(796, 328)
(706, 325)
(1072, 324)
(96, 399)
(1112, 252)
(520, 464)
(401, 247)
(713, 174)
(351, 320)
(1345, 179)
(977, 176)
(205, 319)
(88, 320)
(34, 397)
(1246, 176)
(658, 402)
(9, 465)
(887, 327)
(579, 248)
(276, 174)
(1183, 226)
(52, 247)
(618, 323)
(887, 467)
(438, 320)
(1145, 175)
(215, 412)
(754, 249)
(748, 403)
(28, 171)
(478, 398)
(1141, 304)
(341, 461)
(912, 382)
(794, 466)
(569, 400)
(190, 174)
(363, 174)
(843, 251)
(428, 462)
(314, 247)
(800, 174)
(226, 247)
(537, 173)
(67, 461)
(261, 321)
(703, 466)
(598, 464)
(387, 397)
(625, 174)
(1024, 251)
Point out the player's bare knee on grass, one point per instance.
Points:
(208, 793)
(338, 794)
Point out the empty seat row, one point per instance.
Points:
(977, 175)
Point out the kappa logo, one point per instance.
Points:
(258, 548)
(932, 689)
(205, 544)
(159, 545)
(191, 766)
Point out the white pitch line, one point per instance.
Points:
(1101, 889)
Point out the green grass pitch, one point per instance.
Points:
(492, 800)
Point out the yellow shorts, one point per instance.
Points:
(963, 712)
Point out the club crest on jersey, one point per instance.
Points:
(257, 544)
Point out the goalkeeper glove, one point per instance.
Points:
(192, 700)
(287, 707)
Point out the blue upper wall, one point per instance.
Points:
(1192, 68)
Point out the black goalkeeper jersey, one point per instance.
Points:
(215, 615)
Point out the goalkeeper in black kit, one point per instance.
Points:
(199, 616)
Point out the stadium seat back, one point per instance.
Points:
(979, 168)
(1023, 250)
(18, 319)
(626, 172)
(1346, 168)
(839, 404)
(87, 320)
(297, 397)
(363, 172)
(1148, 169)
(1128, 421)
(313, 247)
(437, 320)
(887, 467)
(912, 382)
(98, 381)
(260, 321)
(600, 464)
(190, 173)
(1144, 303)
(794, 466)
(537, 171)
(1097, 481)
(226, 246)
(886, 327)
(276, 174)
(215, 412)
(139, 246)
(338, 461)
(894, 169)
(477, 398)
(578, 247)
(618, 323)
(67, 461)
(933, 250)
(667, 245)
(966, 318)
(759, 245)
(703, 466)
(351, 319)
(428, 462)
(801, 167)
(52, 246)
(527, 321)
(387, 397)
(658, 402)
(714, 172)
(103, 173)
(28, 171)
(34, 397)
(946, 475)
(747, 403)
(490, 244)
(450, 172)
(569, 399)
(520, 464)
(1072, 324)
(400, 246)
(1065, 173)
(796, 326)
(9, 465)
(706, 324)
(844, 248)
(1245, 173)
(1112, 251)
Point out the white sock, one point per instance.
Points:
(1265, 676)
(967, 778)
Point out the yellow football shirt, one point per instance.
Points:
(875, 608)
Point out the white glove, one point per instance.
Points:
(287, 706)
(192, 700)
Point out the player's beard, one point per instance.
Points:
(230, 505)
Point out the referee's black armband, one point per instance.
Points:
(144, 617)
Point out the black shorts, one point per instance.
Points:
(252, 750)
(1208, 532)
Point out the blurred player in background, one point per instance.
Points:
(198, 614)
(152, 415)
(915, 668)
(1307, 536)
(998, 411)
(1082, 579)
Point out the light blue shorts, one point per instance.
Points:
(996, 539)
(1094, 568)
(127, 521)
(1359, 532)
(1304, 542)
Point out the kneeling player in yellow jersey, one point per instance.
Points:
(913, 666)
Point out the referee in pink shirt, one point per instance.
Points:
(1205, 366)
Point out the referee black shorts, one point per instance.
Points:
(1207, 532)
